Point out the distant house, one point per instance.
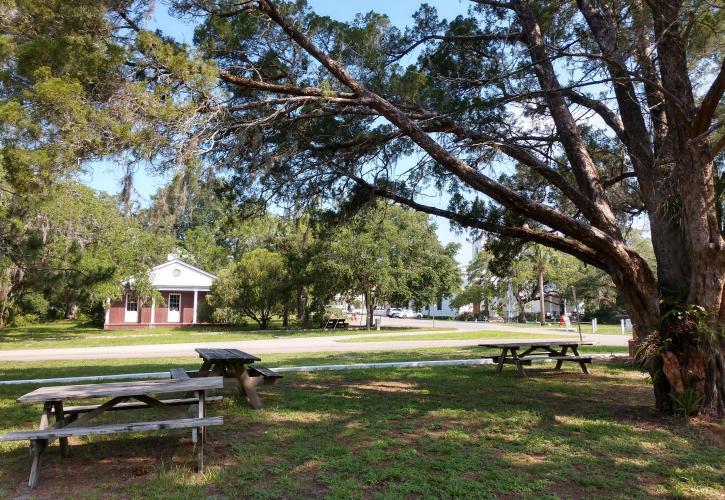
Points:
(183, 287)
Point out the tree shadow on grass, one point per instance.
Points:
(447, 432)
(62, 330)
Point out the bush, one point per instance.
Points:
(26, 319)
(465, 316)
(33, 303)
(607, 313)
(203, 312)
(333, 312)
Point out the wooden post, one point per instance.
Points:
(36, 449)
(58, 408)
(201, 396)
(153, 311)
(196, 298)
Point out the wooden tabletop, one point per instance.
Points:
(226, 354)
(115, 389)
(545, 343)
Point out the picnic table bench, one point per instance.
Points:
(333, 323)
(231, 364)
(72, 421)
(536, 351)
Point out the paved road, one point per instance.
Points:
(296, 345)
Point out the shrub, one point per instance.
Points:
(606, 313)
(26, 319)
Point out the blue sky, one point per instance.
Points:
(106, 176)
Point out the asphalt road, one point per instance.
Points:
(300, 345)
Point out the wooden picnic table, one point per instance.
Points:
(71, 421)
(233, 365)
(334, 323)
(538, 350)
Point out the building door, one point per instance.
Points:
(131, 313)
(174, 308)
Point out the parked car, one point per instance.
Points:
(394, 312)
(406, 313)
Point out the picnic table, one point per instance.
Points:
(535, 350)
(72, 421)
(333, 323)
(234, 366)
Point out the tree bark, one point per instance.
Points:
(71, 310)
(300, 303)
(370, 310)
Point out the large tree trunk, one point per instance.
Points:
(370, 310)
(71, 310)
(300, 304)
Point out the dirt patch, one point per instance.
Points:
(378, 386)
(711, 432)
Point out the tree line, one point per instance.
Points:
(73, 249)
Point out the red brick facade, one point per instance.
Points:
(117, 311)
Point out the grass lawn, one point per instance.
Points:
(586, 327)
(74, 334)
(483, 334)
(444, 432)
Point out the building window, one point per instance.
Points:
(174, 302)
(131, 303)
(439, 306)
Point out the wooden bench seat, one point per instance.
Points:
(40, 439)
(581, 360)
(527, 360)
(138, 405)
(96, 430)
(262, 371)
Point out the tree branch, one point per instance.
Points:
(710, 103)
(552, 240)
(591, 235)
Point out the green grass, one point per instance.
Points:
(74, 334)
(585, 327)
(483, 335)
(424, 432)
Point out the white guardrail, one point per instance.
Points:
(281, 369)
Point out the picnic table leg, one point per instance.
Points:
(501, 360)
(200, 431)
(560, 362)
(582, 364)
(519, 367)
(37, 446)
(204, 370)
(59, 417)
(248, 385)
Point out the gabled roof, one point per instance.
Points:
(184, 264)
(177, 274)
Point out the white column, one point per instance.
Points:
(196, 296)
(108, 311)
(153, 310)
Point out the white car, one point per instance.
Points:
(394, 312)
(405, 314)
